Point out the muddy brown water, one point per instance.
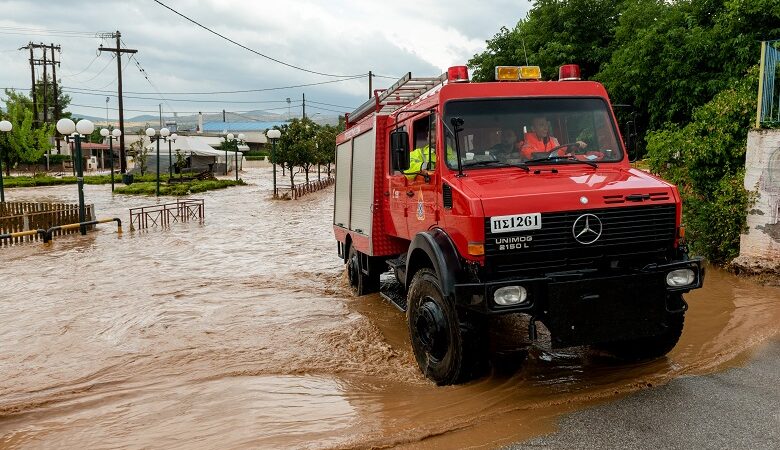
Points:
(240, 332)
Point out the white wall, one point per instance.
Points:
(761, 244)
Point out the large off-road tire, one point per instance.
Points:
(649, 347)
(360, 282)
(449, 344)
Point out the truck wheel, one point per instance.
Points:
(360, 283)
(448, 344)
(649, 347)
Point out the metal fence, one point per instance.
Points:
(768, 113)
(16, 217)
(164, 215)
(288, 192)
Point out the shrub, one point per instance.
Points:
(706, 160)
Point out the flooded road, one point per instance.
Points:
(241, 332)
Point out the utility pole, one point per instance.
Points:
(45, 113)
(54, 63)
(45, 62)
(370, 79)
(160, 105)
(304, 106)
(32, 77)
(118, 51)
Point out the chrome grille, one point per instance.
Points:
(634, 233)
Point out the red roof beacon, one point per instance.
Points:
(569, 72)
(458, 74)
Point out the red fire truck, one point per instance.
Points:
(457, 189)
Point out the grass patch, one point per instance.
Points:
(177, 189)
(46, 180)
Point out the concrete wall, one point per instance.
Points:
(761, 245)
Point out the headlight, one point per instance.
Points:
(680, 277)
(510, 295)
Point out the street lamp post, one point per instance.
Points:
(273, 135)
(173, 138)
(228, 138)
(83, 127)
(241, 139)
(152, 134)
(111, 135)
(5, 127)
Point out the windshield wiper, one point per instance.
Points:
(563, 159)
(491, 162)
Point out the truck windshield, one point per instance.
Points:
(539, 130)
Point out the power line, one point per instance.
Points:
(330, 104)
(326, 109)
(146, 76)
(243, 91)
(97, 74)
(85, 69)
(252, 50)
(32, 30)
(183, 100)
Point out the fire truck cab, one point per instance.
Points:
(508, 198)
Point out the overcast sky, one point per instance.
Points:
(343, 37)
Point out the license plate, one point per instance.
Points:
(519, 222)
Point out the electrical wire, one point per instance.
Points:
(243, 91)
(325, 109)
(252, 50)
(146, 76)
(124, 67)
(97, 74)
(99, 94)
(97, 55)
(63, 32)
(330, 104)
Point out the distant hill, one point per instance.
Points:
(145, 118)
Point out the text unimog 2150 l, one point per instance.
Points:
(574, 237)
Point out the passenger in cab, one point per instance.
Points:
(509, 146)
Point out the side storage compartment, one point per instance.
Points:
(362, 189)
(341, 210)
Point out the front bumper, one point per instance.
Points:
(583, 307)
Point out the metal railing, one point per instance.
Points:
(48, 234)
(20, 221)
(299, 190)
(768, 113)
(166, 214)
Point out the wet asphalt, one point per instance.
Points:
(737, 408)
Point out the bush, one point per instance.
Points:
(177, 189)
(255, 158)
(706, 159)
(54, 159)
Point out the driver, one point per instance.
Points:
(538, 143)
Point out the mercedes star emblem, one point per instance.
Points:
(586, 229)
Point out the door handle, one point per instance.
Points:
(410, 193)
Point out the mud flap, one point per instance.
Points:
(605, 310)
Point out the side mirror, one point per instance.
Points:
(399, 150)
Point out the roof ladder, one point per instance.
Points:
(401, 93)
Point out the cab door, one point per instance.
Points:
(421, 191)
(396, 196)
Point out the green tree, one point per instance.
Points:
(706, 160)
(56, 109)
(24, 144)
(326, 147)
(555, 32)
(140, 152)
(297, 146)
